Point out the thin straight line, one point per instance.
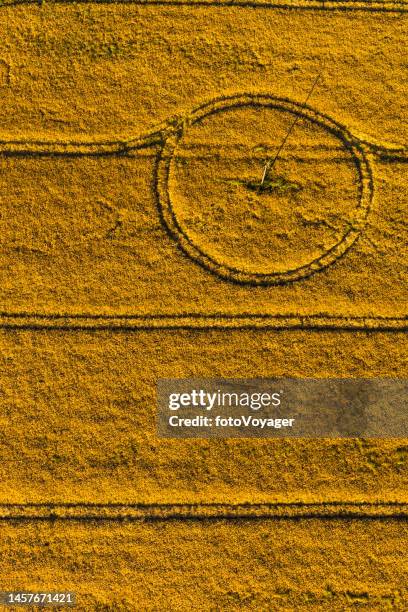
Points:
(270, 164)
(196, 321)
(204, 511)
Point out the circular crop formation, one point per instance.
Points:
(306, 214)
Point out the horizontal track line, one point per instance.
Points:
(341, 5)
(206, 511)
(198, 321)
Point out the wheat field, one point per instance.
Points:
(139, 241)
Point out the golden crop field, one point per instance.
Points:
(141, 238)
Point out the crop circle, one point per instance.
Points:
(212, 213)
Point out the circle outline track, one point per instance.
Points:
(352, 144)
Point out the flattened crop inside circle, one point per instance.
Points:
(207, 211)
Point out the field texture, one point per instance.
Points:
(138, 241)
